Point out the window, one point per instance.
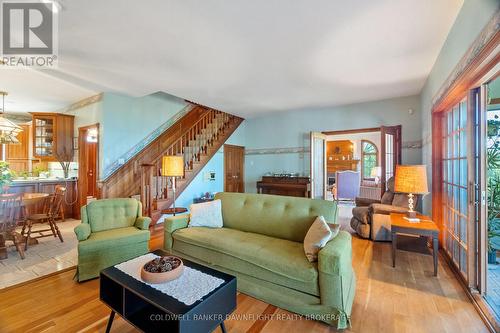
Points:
(369, 158)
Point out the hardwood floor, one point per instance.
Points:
(402, 299)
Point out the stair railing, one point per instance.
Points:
(192, 144)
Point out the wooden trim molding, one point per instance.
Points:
(82, 103)
(351, 131)
(272, 151)
(302, 150)
(479, 58)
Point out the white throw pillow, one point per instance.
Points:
(316, 238)
(206, 214)
(335, 229)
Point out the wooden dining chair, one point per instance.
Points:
(10, 210)
(51, 210)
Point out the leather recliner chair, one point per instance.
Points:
(370, 218)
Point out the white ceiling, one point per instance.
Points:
(243, 57)
(34, 91)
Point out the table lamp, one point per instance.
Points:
(411, 179)
(376, 172)
(172, 166)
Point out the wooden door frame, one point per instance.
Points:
(381, 149)
(242, 171)
(82, 179)
(352, 131)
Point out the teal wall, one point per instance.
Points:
(291, 129)
(126, 121)
(471, 19)
(85, 116)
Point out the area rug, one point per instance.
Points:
(49, 256)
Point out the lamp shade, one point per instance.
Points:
(172, 166)
(376, 172)
(411, 179)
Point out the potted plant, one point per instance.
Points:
(6, 176)
(493, 187)
(493, 240)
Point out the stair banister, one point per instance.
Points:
(161, 187)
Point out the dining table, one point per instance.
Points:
(33, 198)
(30, 203)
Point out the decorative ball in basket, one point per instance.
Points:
(162, 269)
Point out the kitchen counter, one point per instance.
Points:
(47, 185)
(42, 180)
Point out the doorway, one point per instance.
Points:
(88, 157)
(391, 153)
(234, 165)
(370, 153)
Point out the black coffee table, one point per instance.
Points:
(153, 311)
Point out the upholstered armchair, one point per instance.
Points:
(370, 218)
(347, 184)
(112, 231)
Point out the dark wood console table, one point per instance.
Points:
(290, 186)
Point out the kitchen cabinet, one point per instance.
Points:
(53, 136)
(17, 155)
(70, 206)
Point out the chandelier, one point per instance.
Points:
(8, 130)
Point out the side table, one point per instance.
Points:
(172, 211)
(426, 227)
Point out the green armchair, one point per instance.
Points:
(112, 231)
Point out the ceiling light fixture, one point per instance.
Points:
(8, 130)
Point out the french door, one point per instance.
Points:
(390, 152)
(460, 165)
(318, 165)
(456, 202)
(460, 196)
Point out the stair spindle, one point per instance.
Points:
(192, 144)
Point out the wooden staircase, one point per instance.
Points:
(197, 137)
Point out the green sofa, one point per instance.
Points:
(112, 231)
(261, 244)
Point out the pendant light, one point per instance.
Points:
(8, 130)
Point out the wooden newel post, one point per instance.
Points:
(146, 190)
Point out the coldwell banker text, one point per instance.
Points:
(29, 34)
